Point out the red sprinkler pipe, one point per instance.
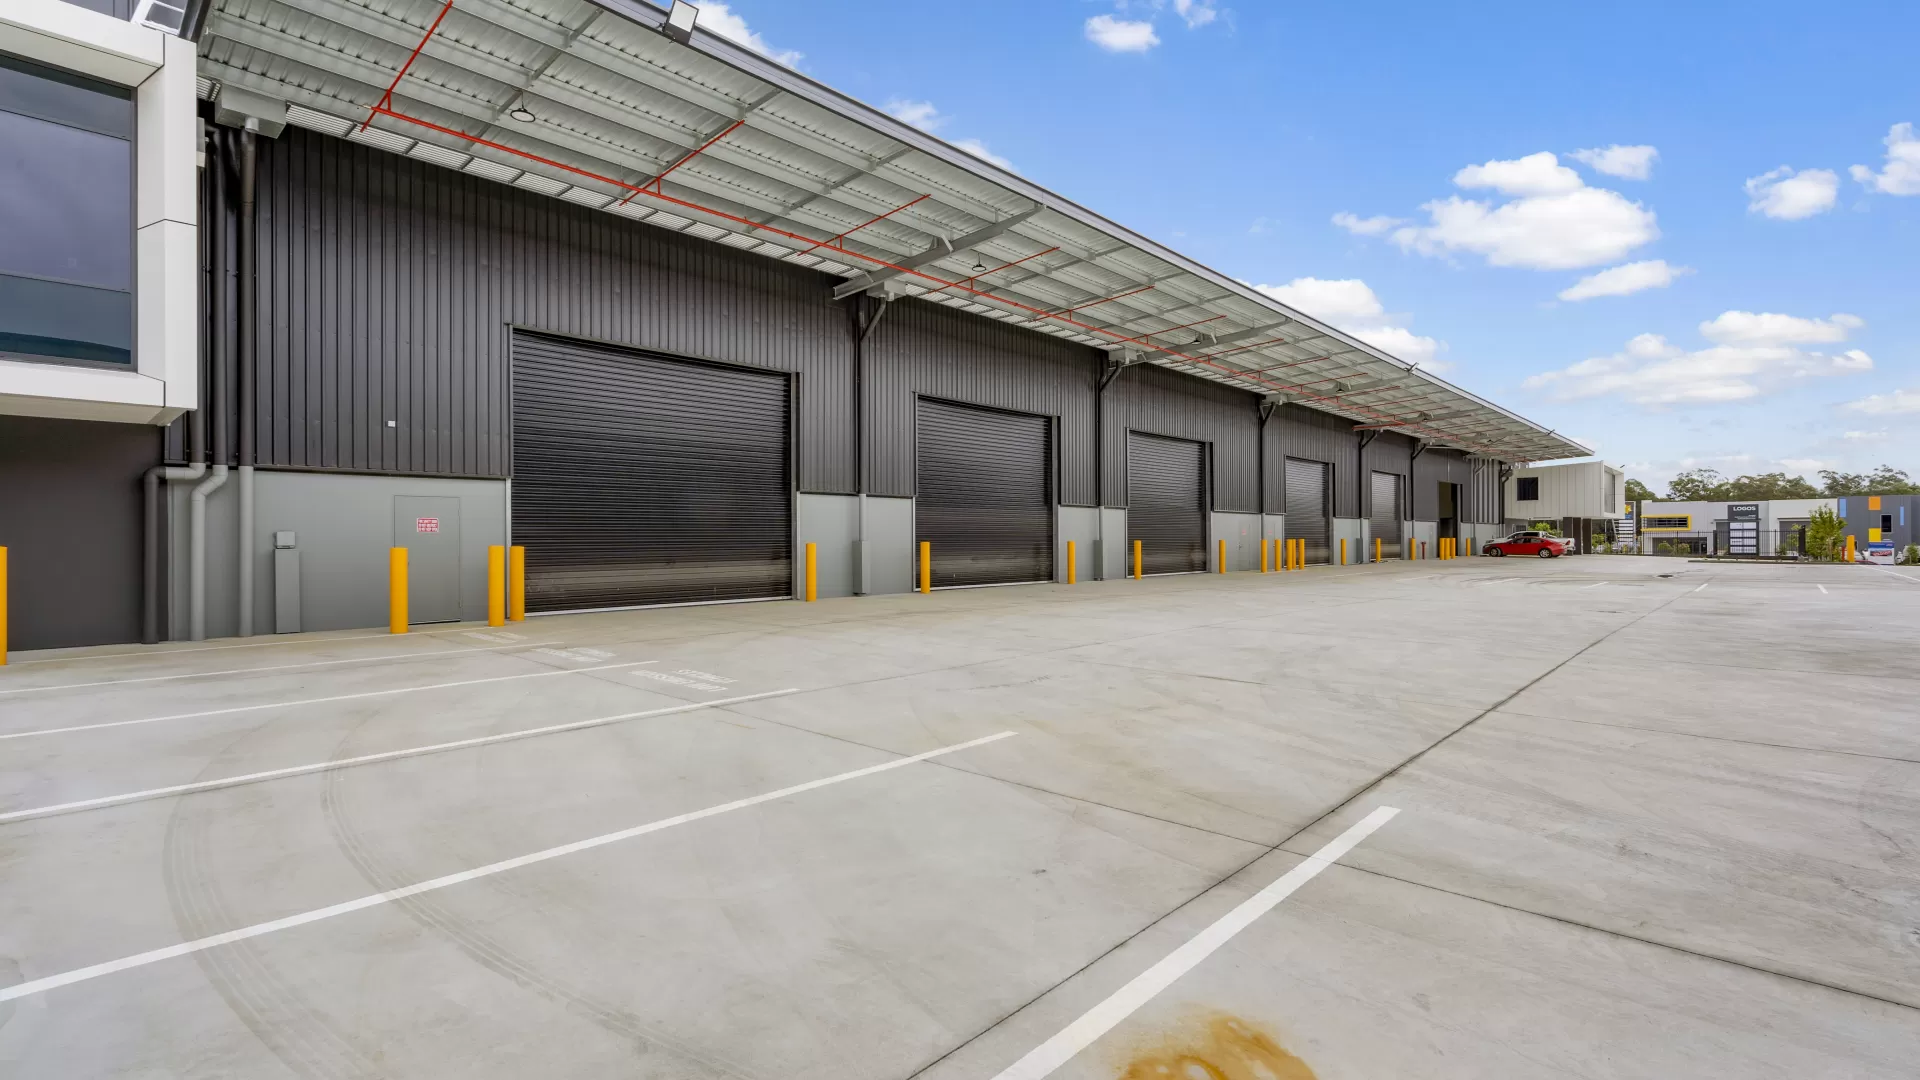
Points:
(881, 217)
(691, 154)
(386, 99)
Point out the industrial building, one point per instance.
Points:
(1773, 527)
(583, 276)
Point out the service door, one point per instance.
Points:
(1306, 506)
(428, 526)
(640, 479)
(1167, 504)
(1383, 518)
(984, 497)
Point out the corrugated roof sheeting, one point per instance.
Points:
(806, 175)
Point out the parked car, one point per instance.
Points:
(1539, 544)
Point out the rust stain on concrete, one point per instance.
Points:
(1216, 1046)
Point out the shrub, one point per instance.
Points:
(1826, 536)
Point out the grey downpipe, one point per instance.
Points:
(220, 406)
(244, 372)
(197, 553)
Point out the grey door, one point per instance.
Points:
(1306, 505)
(1167, 504)
(428, 526)
(983, 497)
(643, 479)
(1383, 517)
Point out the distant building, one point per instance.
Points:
(1581, 498)
(1717, 527)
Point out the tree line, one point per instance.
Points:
(1707, 485)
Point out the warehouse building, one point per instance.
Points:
(585, 277)
(1581, 500)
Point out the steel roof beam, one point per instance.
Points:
(933, 254)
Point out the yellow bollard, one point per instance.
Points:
(397, 590)
(1263, 556)
(1376, 549)
(3, 607)
(1136, 560)
(517, 584)
(1220, 564)
(1850, 547)
(926, 566)
(1073, 567)
(496, 585)
(1343, 551)
(813, 573)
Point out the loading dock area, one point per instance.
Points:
(936, 835)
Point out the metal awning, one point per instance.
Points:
(602, 103)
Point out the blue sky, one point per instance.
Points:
(1752, 192)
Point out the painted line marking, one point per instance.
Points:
(317, 700)
(68, 978)
(1822, 588)
(1896, 573)
(222, 648)
(465, 650)
(1042, 1060)
(1595, 585)
(1700, 586)
(366, 759)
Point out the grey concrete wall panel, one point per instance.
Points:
(1308, 435)
(388, 288)
(1424, 532)
(1080, 524)
(921, 348)
(831, 523)
(1275, 526)
(428, 526)
(1153, 399)
(343, 523)
(1242, 534)
(890, 552)
(1114, 551)
(1354, 532)
(71, 519)
(286, 590)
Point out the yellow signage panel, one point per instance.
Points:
(1873, 535)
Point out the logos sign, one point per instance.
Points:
(1743, 511)
(426, 525)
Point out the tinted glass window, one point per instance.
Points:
(1526, 489)
(66, 217)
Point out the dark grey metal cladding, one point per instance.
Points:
(1309, 435)
(1485, 495)
(924, 348)
(641, 479)
(388, 288)
(985, 500)
(1389, 452)
(1167, 503)
(1165, 402)
(1430, 470)
(1306, 507)
(1383, 517)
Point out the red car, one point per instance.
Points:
(1528, 543)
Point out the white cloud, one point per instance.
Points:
(1806, 465)
(1870, 436)
(1377, 225)
(1625, 280)
(1352, 305)
(1121, 35)
(1790, 196)
(1901, 176)
(1535, 174)
(1767, 328)
(1197, 13)
(1752, 354)
(1626, 162)
(721, 20)
(1555, 221)
(1897, 403)
(920, 114)
(979, 149)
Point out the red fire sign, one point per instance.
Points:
(427, 525)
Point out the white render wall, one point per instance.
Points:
(1577, 489)
(159, 67)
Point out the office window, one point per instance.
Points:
(1526, 489)
(66, 217)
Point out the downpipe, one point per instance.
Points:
(197, 553)
(155, 478)
(244, 369)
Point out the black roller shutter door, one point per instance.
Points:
(638, 479)
(1167, 504)
(1307, 508)
(984, 500)
(1383, 518)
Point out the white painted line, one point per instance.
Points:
(317, 700)
(1595, 585)
(365, 759)
(222, 648)
(1122, 1003)
(1702, 585)
(1896, 573)
(470, 650)
(1822, 588)
(187, 948)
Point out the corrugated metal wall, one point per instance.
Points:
(1302, 433)
(388, 288)
(1430, 470)
(1483, 494)
(1163, 402)
(1391, 452)
(924, 348)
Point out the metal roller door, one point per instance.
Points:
(1167, 504)
(639, 479)
(984, 500)
(1383, 517)
(1306, 506)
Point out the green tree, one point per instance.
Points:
(1695, 485)
(1885, 480)
(1825, 532)
(1639, 492)
(1707, 485)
